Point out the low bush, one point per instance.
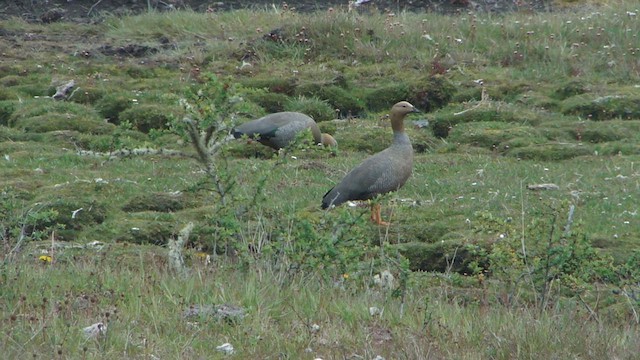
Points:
(318, 109)
(147, 117)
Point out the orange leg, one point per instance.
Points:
(375, 215)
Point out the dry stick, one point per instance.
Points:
(633, 309)
(93, 6)
(53, 244)
(483, 100)
(567, 228)
(523, 237)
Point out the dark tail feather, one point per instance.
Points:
(236, 134)
(328, 200)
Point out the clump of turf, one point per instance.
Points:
(44, 115)
(550, 151)
(272, 102)
(604, 107)
(161, 202)
(445, 119)
(491, 134)
(147, 117)
(569, 89)
(140, 230)
(382, 98)
(112, 104)
(273, 84)
(316, 108)
(442, 256)
(7, 108)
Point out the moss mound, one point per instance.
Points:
(161, 202)
(275, 84)
(491, 134)
(111, 105)
(318, 109)
(57, 122)
(550, 152)
(430, 93)
(569, 89)
(603, 108)
(444, 120)
(147, 117)
(144, 231)
(45, 115)
(341, 100)
(73, 213)
(6, 110)
(271, 102)
(441, 256)
(384, 97)
(39, 107)
(365, 138)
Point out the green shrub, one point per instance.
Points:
(570, 89)
(7, 94)
(161, 202)
(430, 93)
(328, 127)
(547, 251)
(6, 109)
(112, 104)
(270, 102)
(10, 80)
(87, 95)
(442, 256)
(142, 230)
(469, 93)
(318, 109)
(72, 209)
(247, 109)
(365, 138)
(145, 117)
(383, 97)
(120, 138)
(339, 98)
(141, 72)
(275, 84)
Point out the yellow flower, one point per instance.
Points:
(45, 258)
(345, 276)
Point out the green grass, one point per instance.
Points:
(499, 278)
(132, 290)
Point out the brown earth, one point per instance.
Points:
(92, 10)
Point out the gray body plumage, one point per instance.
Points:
(381, 173)
(279, 129)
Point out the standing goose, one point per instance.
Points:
(381, 173)
(278, 130)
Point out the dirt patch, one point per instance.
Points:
(92, 10)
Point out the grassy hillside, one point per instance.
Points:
(516, 236)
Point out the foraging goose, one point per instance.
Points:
(278, 130)
(381, 173)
